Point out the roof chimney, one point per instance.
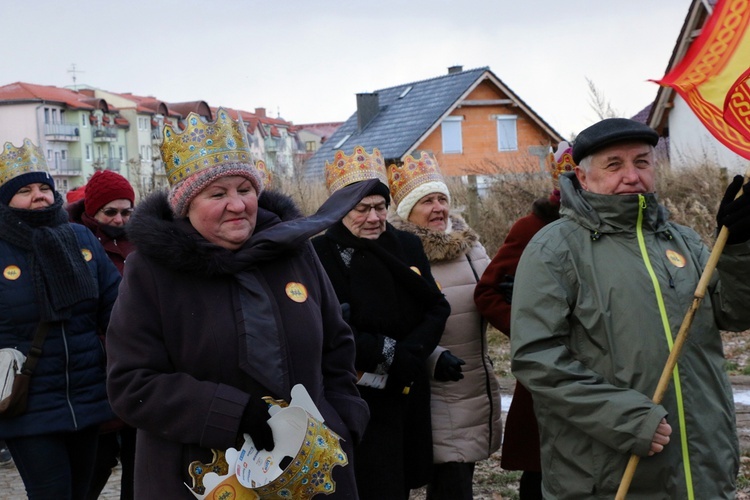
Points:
(260, 112)
(455, 69)
(368, 105)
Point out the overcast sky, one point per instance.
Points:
(306, 60)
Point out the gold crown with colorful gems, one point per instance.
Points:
(359, 166)
(22, 160)
(414, 172)
(560, 161)
(203, 145)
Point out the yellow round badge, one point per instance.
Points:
(675, 258)
(296, 291)
(416, 270)
(87, 254)
(12, 273)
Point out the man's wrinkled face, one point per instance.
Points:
(624, 168)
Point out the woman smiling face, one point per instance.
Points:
(225, 212)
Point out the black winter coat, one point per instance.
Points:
(177, 339)
(391, 293)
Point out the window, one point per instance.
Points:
(54, 116)
(84, 121)
(64, 154)
(451, 131)
(122, 153)
(46, 115)
(507, 133)
(88, 152)
(49, 154)
(310, 146)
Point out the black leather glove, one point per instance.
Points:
(448, 367)
(255, 422)
(505, 287)
(735, 214)
(405, 369)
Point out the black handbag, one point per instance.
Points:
(15, 403)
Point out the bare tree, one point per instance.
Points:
(600, 104)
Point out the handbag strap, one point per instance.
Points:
(36, 348)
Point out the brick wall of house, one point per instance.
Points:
(479, 133)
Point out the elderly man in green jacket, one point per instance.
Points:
(599, 298)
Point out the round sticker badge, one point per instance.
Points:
(12, 273)
(675, 258)
(296, 291)
(87, 255)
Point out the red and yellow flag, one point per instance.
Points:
(714, 76)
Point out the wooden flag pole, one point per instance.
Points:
(666, 375)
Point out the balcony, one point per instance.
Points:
(156, 136)
(104, 134)
(61, 132)
(68, 167)
(107, 164)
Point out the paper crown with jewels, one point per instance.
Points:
(203, 152)
(560, 161)
(19, 161)
(359, 166)
(299, 467)
(418, 176)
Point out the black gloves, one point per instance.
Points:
(505, 287)
(735, 214)
(255, 422)
(448, 367)
(405, 369)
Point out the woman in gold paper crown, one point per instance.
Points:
(466, 422)
(55, 274)
(382, 277)
(225, 303)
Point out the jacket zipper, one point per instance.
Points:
(67, 374)
(670, 343)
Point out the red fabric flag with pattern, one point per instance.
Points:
(714, 76)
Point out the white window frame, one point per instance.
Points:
(452, 135)
(84, 120)
(507, 133)
(88, 152)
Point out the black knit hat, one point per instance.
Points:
(611, 131)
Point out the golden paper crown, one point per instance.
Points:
(22, 160)
(203, 145)
(265, 174)
(359, 166)
(311, 449)
(560, 161)
(414, 172)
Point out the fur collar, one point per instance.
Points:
(437, 245)
(175, 244)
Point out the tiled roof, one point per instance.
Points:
(323, 130)
(29, 92)
(400, 122)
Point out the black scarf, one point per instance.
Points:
(386, 295)
(59, 272)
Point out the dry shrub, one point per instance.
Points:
(692, 196)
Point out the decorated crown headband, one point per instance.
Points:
(414, 172)
(203, 145)
(15, 161)
(560, 161)
(359, 166)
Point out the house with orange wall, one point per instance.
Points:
(470, 120)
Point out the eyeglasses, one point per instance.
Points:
(112, 212)
(363, 209)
